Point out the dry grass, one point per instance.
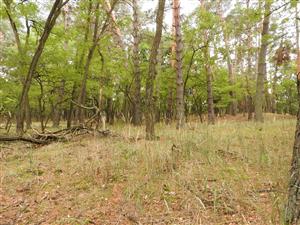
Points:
(230, 173)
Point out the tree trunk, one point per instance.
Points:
(22, 53)
(292, 214)
(54, 13)
(150, 112)
(169, 112)
(96, 37)
(80, 68)
(28, 114)
(57, 107)
(233, 102)
(179, 77)
(137, 117)
(261, 73)
(82, 94)
(210, 100)
(71, 107)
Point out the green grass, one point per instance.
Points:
(229, 173)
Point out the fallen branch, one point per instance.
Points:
(21, 138)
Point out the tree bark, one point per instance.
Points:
(261, 73)
(137, 117)
(150, 112)
(179, 77)
(292, 213)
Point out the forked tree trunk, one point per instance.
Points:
(150, 112)
(179, 77)
(137, 115)
(261, 73)
(22, 54)
(82, 93)
(96, 37)
(292, 214)
(54, 13)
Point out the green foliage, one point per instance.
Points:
(111, 68)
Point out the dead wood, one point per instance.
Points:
(22, 138)
(56, 136)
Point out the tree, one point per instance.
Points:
(292, 214)
(57, 109)
(137, 117)
(54, 13)
(22, 51)
(150, 112)
(208, 71)
(97, 34)
(178, 65)
(261, 71)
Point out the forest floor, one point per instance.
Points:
(235, 172)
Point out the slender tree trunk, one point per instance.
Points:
(179, 76)
(170, 100)
(61, 92)
(57, 107)
(71, 107)
(22, 53)
(54, 13)
(250, 106)
(80, 68)
(137, 115)
(210, 100)
(261, 73)
(27, 114)
(96, 37)
(233, 103)
(150, 112)
(82, 94)
(169, 112)
(292, 215)
(274, 83)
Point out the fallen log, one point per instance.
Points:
(60, 135)
(22, 138)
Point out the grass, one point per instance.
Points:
(234, 172)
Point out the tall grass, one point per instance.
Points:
(230, 173)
